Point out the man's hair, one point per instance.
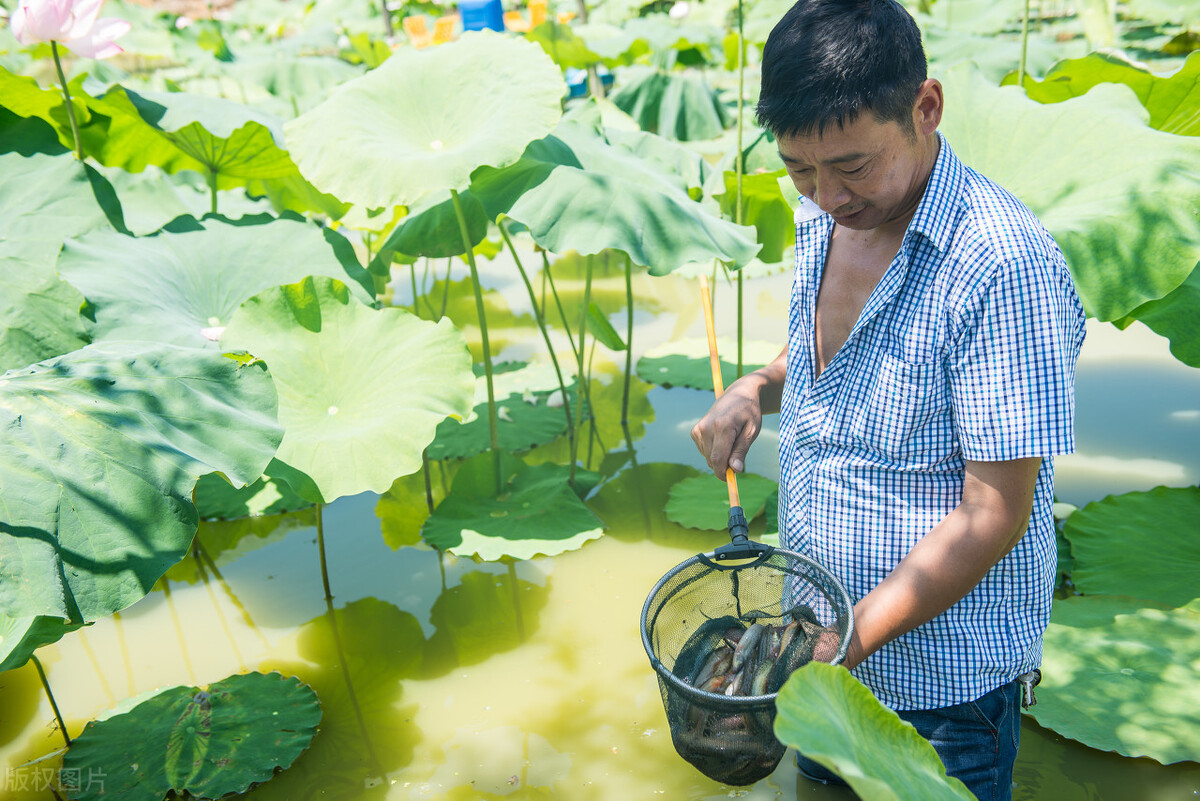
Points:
(827, 61)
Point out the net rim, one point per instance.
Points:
(738, 700)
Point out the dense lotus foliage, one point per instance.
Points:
(201, 237)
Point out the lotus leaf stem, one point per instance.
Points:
(321, 550)
(558, 302)
(428, 484)
(541, 321)
(516, 596)
(37, 663)
(62, 79)
(583, 314)
(1024, 46)
(493, 430)
(628, 338)
(412, 272)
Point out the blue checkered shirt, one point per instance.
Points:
(965, 350)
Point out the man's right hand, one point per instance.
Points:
(724, 435)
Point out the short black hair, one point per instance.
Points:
(827, 61)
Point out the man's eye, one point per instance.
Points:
(855, 171)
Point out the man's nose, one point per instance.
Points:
(831, 193)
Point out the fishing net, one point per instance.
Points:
(723, 638)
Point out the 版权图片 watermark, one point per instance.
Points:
(41, 778)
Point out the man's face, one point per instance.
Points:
(864, 175)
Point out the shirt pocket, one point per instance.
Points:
(906, 412)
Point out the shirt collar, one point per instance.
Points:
(937, 212)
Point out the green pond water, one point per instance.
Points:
(442, 678)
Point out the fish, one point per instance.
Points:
(717, 663)
(749, 639)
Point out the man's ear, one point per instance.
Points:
(927, 109)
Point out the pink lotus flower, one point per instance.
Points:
(72, 23)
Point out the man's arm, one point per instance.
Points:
(724, 435)
(952, 558)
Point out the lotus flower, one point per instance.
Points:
(72, 23)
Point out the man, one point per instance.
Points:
(927, 382)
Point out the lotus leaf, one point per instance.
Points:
(1118, 674)
(39, 316)
(564, 45)
(24, 97)
(1175, 318)
(537, 514)
(612, 45)
(178, 287)
(765, 207)
(703, 501)
(361, 391)
(524, 421)
(974, 16)
(424, 120)
(217, 499)
(180, 131)
(1141, 544)
(1123, 206)
(20, 637)
(102, 449)
(404, 508)
(1171, 101)
(151, 199)
(827, 715)
(675, 105)
(686, 363)
(204, 743)
(994, 55)
(632, 505)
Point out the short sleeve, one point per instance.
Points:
(1012, 368)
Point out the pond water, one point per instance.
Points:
(442, 678)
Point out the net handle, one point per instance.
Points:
(718, 382)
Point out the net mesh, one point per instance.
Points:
(723, 639)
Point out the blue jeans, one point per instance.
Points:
(977, 741)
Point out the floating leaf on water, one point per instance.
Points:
(207, 743)
(831, 718)
(361, 390)
(1118, 674)
(703, 501)
(98, 503)
(542, 515)
(1141, 544)
(217, 499)
(686, 363)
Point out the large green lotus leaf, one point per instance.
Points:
(151, 199)
(567, 181)
(1125, 206)
(632, 506)
(45, 199)
(703, 501)
(563, 45)
(1172, 101)
(217, 499)
(985, 17)
(203, 743)
(39, 315)
(686, 363)
(675, 105)
(361, 391)
(524, 421)
(830, 717)
(24, 97)
(765, 207)
(101, 451)
(537, 514)
(1141, 544)
(1119, 675)
(613, 45)
(180, 130)
(1179, 12)
(994, 55)
(300, 82)
(425, 119)
(21, 636)
(1175, 318)
(177, 287)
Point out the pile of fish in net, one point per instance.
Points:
(730, 737)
